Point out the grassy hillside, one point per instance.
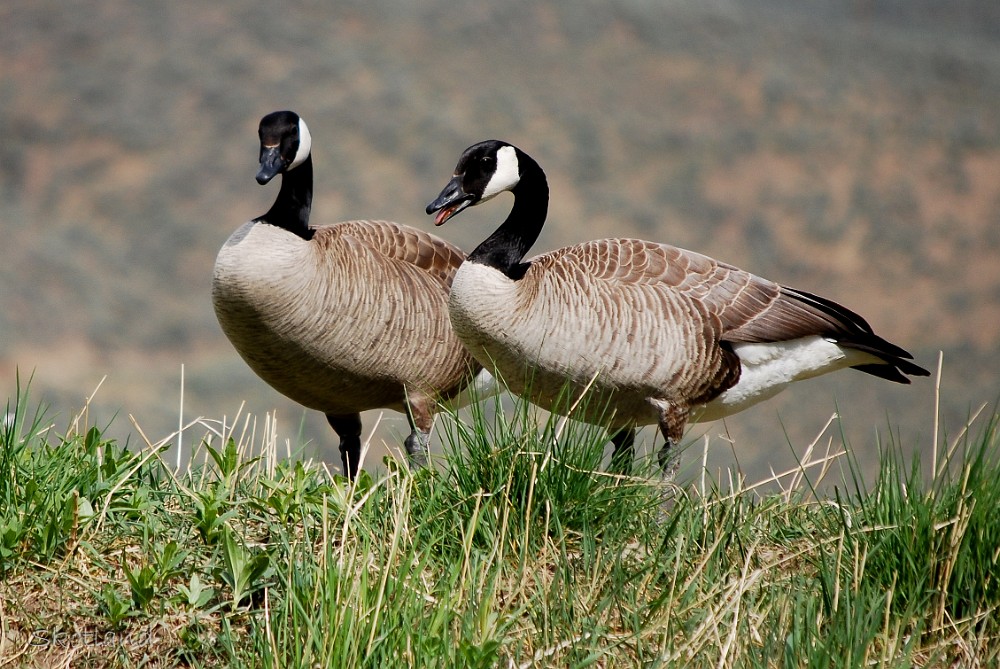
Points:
(848, 150)
(517, 551)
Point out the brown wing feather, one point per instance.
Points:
(739, 307)
(748, 308)
(734, 297)
(638, 287)
(428, 252)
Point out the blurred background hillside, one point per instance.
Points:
(848, 149)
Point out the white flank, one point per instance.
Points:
(770, 367)
(483, 386)
(506, 175)
(305, 145)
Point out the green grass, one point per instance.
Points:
(517, 550)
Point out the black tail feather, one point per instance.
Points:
(887, 372)
(858, 334)
(895, 368)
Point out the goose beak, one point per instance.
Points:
(271, 164)
(451, 201)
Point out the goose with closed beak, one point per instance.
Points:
(340, 318)
(654, 333)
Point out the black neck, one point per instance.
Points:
(507, 246)
(294, 202)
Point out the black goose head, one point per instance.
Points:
(484, 171)
(285, 144)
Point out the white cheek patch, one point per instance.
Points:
(305, 145)
(506, 175)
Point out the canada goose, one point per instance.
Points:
(662, 335)
(339, 318)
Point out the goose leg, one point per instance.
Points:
(624, 453)
(421, 419)
(348, 428)
(672, 421)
